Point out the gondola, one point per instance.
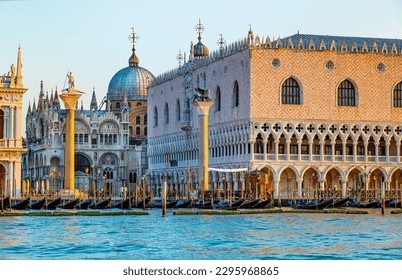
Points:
(370, 204)
(83, 204)
(53, 205)
(394, 203)
(69, 205)
(37, 205)
(100, 205)
(262, 204)
(338, 203)
(183, 204)
(5, 203)
(249, 204)
(315, 206)
(169, 204)
(140, 203)
(206, 205)
(229, 206)
(122, 204)
(22, 205)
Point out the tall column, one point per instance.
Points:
(310, 149)
(344, 150)
(365, 150)
(333, 150)
(299, 189)
(354, 151)
(203, 109)
(387, 144)
(299, 142)
(287, 150)
(344, 192)
(264, 149)
(70, 98)
(398, 151)
(376, 144)
(322, 150)
(276, 149)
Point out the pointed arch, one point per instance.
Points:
(397, 95)
(218, 99)
(291, 91)
(155, 116)
(347, 93)
(178, 117)
(236, 94)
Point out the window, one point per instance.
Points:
(290, 92)
(155, 116)
(145, 131)
(398, 95)
(137, 131)
(293, 149)
(166, 113)
(138, 104)
(145, 119)
(218, 100)
(177, 110)
(118, 105)
(346, 94)
(236, 94)
(138, 120)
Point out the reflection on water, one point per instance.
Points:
(284, 236)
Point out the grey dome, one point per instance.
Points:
(132, 80)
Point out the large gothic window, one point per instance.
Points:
(291, 92)
(155, 116)
(177, 110)
(166, 113)
(398, 95)
(347, 94)
(81, 163)
(218, 100)
(236, 98)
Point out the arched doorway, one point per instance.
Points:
(287, 184)
(310, 186)
(267, 183)
(81, 163)
(376, 179)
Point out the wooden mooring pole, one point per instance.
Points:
(382, 198)
(164, 199)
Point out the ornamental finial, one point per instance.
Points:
(199, 28)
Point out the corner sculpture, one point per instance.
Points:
(202, 95)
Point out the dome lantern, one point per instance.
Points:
(200, 50)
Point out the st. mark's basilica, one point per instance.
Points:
(291, 117)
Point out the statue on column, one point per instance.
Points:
(202, 95)
(71, 82)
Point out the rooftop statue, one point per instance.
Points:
(202, 95)
(71, 82)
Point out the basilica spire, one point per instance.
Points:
(133, 61)
(29, 107)
(94, 103)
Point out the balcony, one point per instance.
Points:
(10, 143)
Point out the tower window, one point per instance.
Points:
(291, 92)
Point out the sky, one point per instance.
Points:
(90, 37)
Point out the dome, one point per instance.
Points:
(200, 50)
(132, 80)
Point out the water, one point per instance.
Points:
(272, 236)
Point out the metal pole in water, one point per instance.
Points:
(382, 198)
(164, 199)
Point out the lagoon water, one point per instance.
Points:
(265, 236)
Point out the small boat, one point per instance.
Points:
(206, 205)
(394, 203)
(69, 205)
(262, 204)
(183, 204)
(249, 204)
(229, 206)
(140, 204)
(53, 205)
(100, 205)
(22, 205)
(338, 203)
(169, 204)
(83, 204)
(315, 205)
(5, 203)
(37, 205)
(122, 204)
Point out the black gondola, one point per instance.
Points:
(140, 204)
(83, 204)
(206, 205)
(122, 204)
(22, 205)
(338, 203)
(53, 205)
(314, 205)
(169, 204)
(370, 204)
(37, 205)
(69, 205)
(100, 205)
(262, 204)
(229, 206)
(249, 204)
(183, 204)
(394, 203)
(5, 203)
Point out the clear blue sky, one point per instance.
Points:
(89, 37)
